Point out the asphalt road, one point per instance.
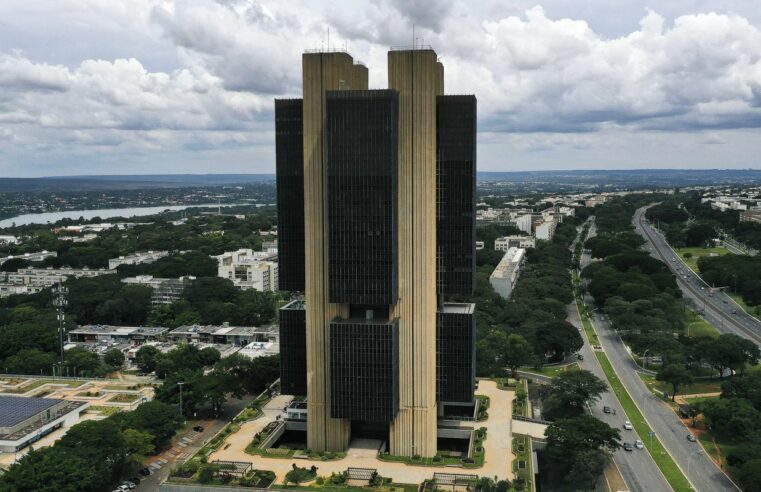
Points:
(700, 469)
(637, 466)
(229, 410)
(719, 309)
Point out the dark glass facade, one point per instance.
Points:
(364, 370)
(361, 143)
(455, 353)
(455, 194)
(293, 349)
(289, 161)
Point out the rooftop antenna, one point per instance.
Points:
(328, 39)
(413, 36)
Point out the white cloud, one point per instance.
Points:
(194, 79)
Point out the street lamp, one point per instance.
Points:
(180, 385)
(644, 357)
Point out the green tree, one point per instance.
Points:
(114, 358)
(734, 417)
(676, 375)
(138, 444)
(749, 475)
(580, 448)
(556, 340)
(516, 352)
(573, 390)
(146, 357)
(81, 362)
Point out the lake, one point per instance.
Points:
(106, 213)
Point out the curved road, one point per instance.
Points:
(719, 309)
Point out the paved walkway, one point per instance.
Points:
(498, 446)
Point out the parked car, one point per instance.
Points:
(198, 428)
(579, 357)
(145, 471)
(691, 438)
(129, 485)
(606, 409)
(628, 425)
(628, 446)
(639, 444)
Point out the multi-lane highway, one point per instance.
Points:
(701, 471)
(717, 307)
(637, 466)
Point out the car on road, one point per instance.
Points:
(725, 301)
(734, 311)
(606, 409)
(628, 425)
(691, 437)
(639, 444)
(198, 428)
(628, 446)
(579, 357)
(145, 471)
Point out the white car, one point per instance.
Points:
(639, 444)
(628, 425)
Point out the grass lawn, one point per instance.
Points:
(717, 446)
(752, 310)
(698, 327)
(106, 411)
(698, 387)
(41, 382)
(696, 253)
(522, 452)
(124, 398)
(661, 457)
(551, 371)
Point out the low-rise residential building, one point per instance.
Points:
(133, 335)
(524, 222)
(507, 242)
(24, 421)
(595, 201)
(240, 336)
(249, 269)
(504, 277)
(137, 258)
(545, 229)
(5, 239)
(752, 215)
(33, 280)
(7, 289)
(38, 256)
(66, 271)
(165, 290)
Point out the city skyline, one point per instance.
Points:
(116, 87)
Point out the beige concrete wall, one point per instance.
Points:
(359, 78)
(321, 72)
(418, 77)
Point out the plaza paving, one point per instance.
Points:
(362, 452)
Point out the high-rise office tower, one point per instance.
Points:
(376, 224)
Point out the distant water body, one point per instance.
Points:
(106, 213)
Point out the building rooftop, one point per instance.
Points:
(119, 330)
(16, 409)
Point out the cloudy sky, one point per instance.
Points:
(159, 86)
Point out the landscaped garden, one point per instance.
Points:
(474, 461)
